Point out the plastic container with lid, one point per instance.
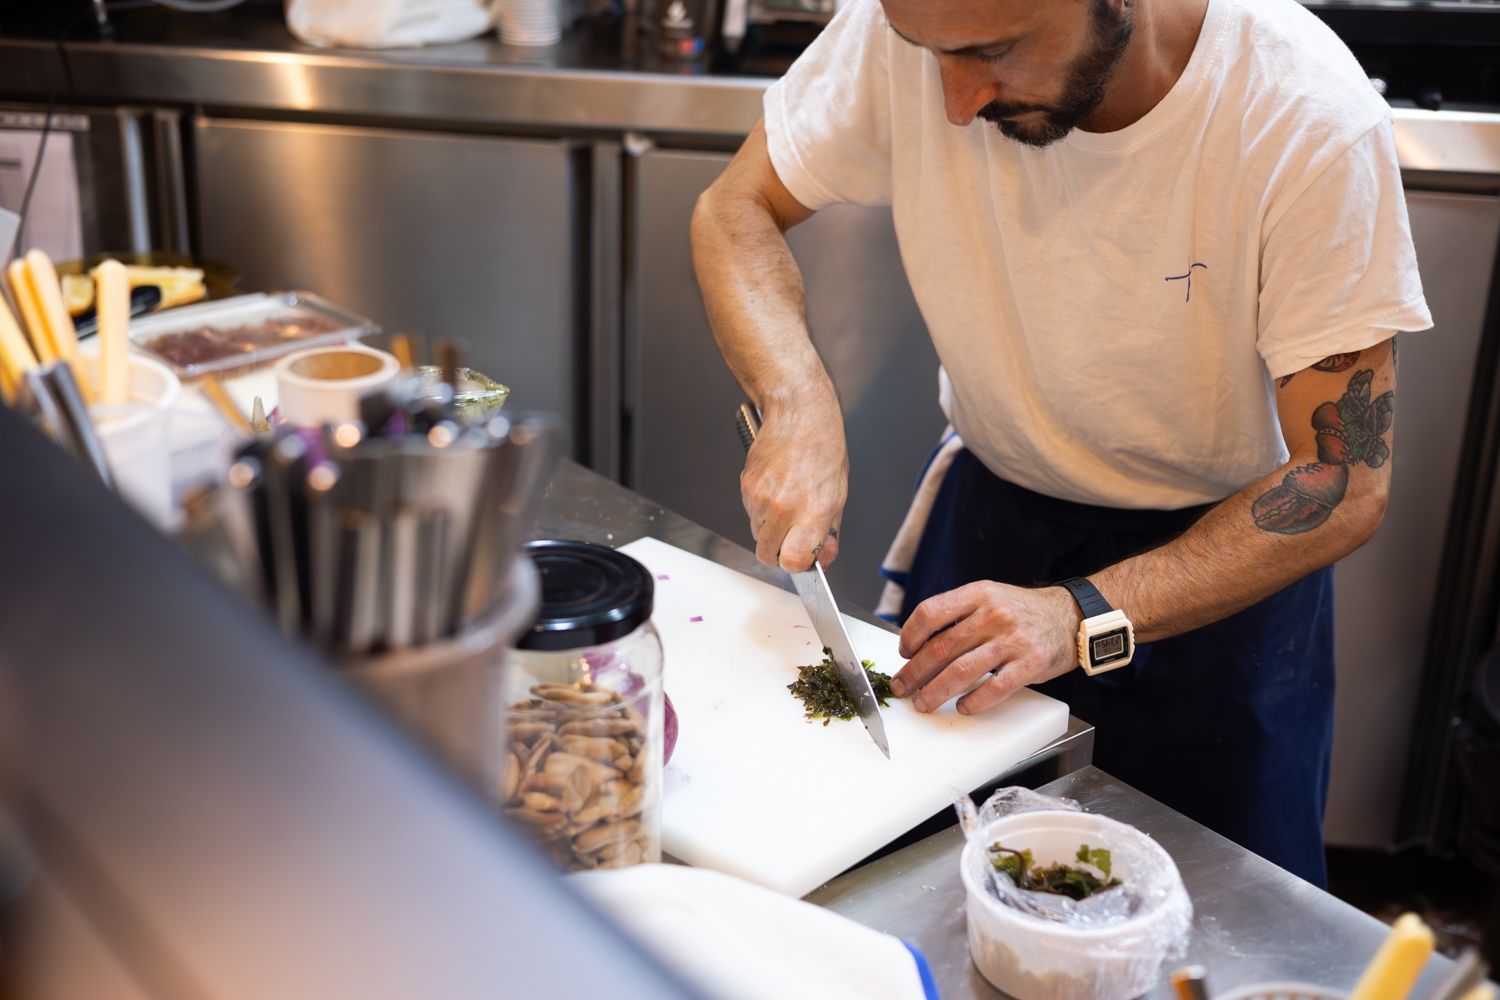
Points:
(1108, 956)
(243, 332)
(582, 762)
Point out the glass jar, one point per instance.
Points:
(476, 396)
(581, 768)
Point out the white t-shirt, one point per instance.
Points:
(1111, 310)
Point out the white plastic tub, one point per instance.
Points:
(1032, 958)
(135, 435)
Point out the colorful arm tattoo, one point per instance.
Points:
(1349, 432)
(1332, 363)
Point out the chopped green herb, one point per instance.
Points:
(823, 696)
(1098, 857)
(1059, 879)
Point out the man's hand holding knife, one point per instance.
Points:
(795, 482)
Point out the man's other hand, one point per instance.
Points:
(1016, 636)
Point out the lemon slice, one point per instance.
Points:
(179, 285)
(78, 293)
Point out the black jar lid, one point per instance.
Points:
(590, 595)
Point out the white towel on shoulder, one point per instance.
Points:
(903, 550)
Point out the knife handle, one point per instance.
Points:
(747, 422)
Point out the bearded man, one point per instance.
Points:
(1163, 271)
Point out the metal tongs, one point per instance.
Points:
(50, 396)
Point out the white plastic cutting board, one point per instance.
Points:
(756, 791)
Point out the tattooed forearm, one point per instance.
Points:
(1349, 432)
(1332, 363)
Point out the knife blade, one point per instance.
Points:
(823, 611)
(817, 599)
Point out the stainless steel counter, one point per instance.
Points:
(598, 79)
(1252, 921)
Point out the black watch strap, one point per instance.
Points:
(1090, 601)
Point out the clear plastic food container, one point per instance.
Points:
(1082, 952)
(583, 757)
(244, 331)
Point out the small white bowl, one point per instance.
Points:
(323, 385)
(1032, 958)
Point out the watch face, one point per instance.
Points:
(1106, 647)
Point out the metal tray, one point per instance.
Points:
(243, 311)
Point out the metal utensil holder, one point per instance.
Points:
(447, 691)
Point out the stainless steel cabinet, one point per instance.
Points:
(459, 236)
(680, 397)
(1384, 592)
(512, 244)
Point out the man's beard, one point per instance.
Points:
(1087, 82)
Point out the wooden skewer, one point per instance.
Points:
(226, 406)
(31, 313)
(1189, 983)
(59, 325)
(112, 298)
(401, 348)
(450, 360)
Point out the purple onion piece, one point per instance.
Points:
(669, 730)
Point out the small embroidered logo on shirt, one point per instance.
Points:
(1189, 278)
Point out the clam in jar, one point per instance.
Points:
(582, 762)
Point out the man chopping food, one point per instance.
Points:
(1162, 250)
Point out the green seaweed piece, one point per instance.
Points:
(823, 696)
(1058, 879)
(1098, 857)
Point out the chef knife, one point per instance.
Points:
(823, 610)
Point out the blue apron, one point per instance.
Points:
(1230, 724)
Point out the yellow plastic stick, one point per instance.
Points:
(112, 300)
(48, 291)
(31, 313)
(1398, 963)
(16, 357)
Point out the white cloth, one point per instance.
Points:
(903, 551)
(1078, 362)
(740, 941)
(382, 24)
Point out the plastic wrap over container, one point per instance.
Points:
(1036, 945)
